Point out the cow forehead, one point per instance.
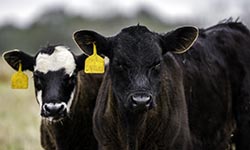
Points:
(136, 42)
(59, 59)
(146, 50)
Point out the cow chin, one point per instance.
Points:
(143, 108)
(54, 119)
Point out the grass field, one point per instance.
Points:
(19, 114)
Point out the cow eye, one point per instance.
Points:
(70, 79)
(156, 67)
(121, 66)
(38, 81)
(66, 78)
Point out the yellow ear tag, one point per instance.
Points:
(94, 63)
(19, 80)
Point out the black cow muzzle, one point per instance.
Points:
(141, 100)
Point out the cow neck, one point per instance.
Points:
(133, 124)
(85, 95)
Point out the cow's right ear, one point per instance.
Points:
(85, 39)
(14, 57)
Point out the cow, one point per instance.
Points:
(65, 94)
(141, 102)
(181, 90)
(216, 80)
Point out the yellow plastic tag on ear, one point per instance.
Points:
(19, 80)
(94, 63)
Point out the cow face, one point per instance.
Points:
(136, 57)
(135, 69)
(55, 71)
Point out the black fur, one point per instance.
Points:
(49, 49)
(214, 73)
(217, 79)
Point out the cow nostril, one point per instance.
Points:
(148, 102)
(61, 109)
(47, 108)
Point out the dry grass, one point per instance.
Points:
(19, 114)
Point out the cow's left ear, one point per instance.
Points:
(14, 57)
(179, 40)
(85, 39)
(80, 59)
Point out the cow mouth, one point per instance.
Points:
(142, 108)
(54, 119)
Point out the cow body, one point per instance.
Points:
(65, 94)
(216, 76)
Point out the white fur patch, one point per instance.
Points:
(60, 58)
(39, 98)
(70, 100)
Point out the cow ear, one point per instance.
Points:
(14, 57)
(85, 39)
(80, 59)
(180, 40)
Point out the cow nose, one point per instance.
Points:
(54, 109)
(141, 100)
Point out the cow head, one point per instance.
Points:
(136, 57)
(55, 71)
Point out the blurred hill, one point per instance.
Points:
(56, 27)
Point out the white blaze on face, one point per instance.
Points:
(70, 100)
(39, 98)
(60, 58)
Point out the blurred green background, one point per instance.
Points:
(54, 23)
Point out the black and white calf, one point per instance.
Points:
(65, 95)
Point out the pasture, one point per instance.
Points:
(19, 114)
